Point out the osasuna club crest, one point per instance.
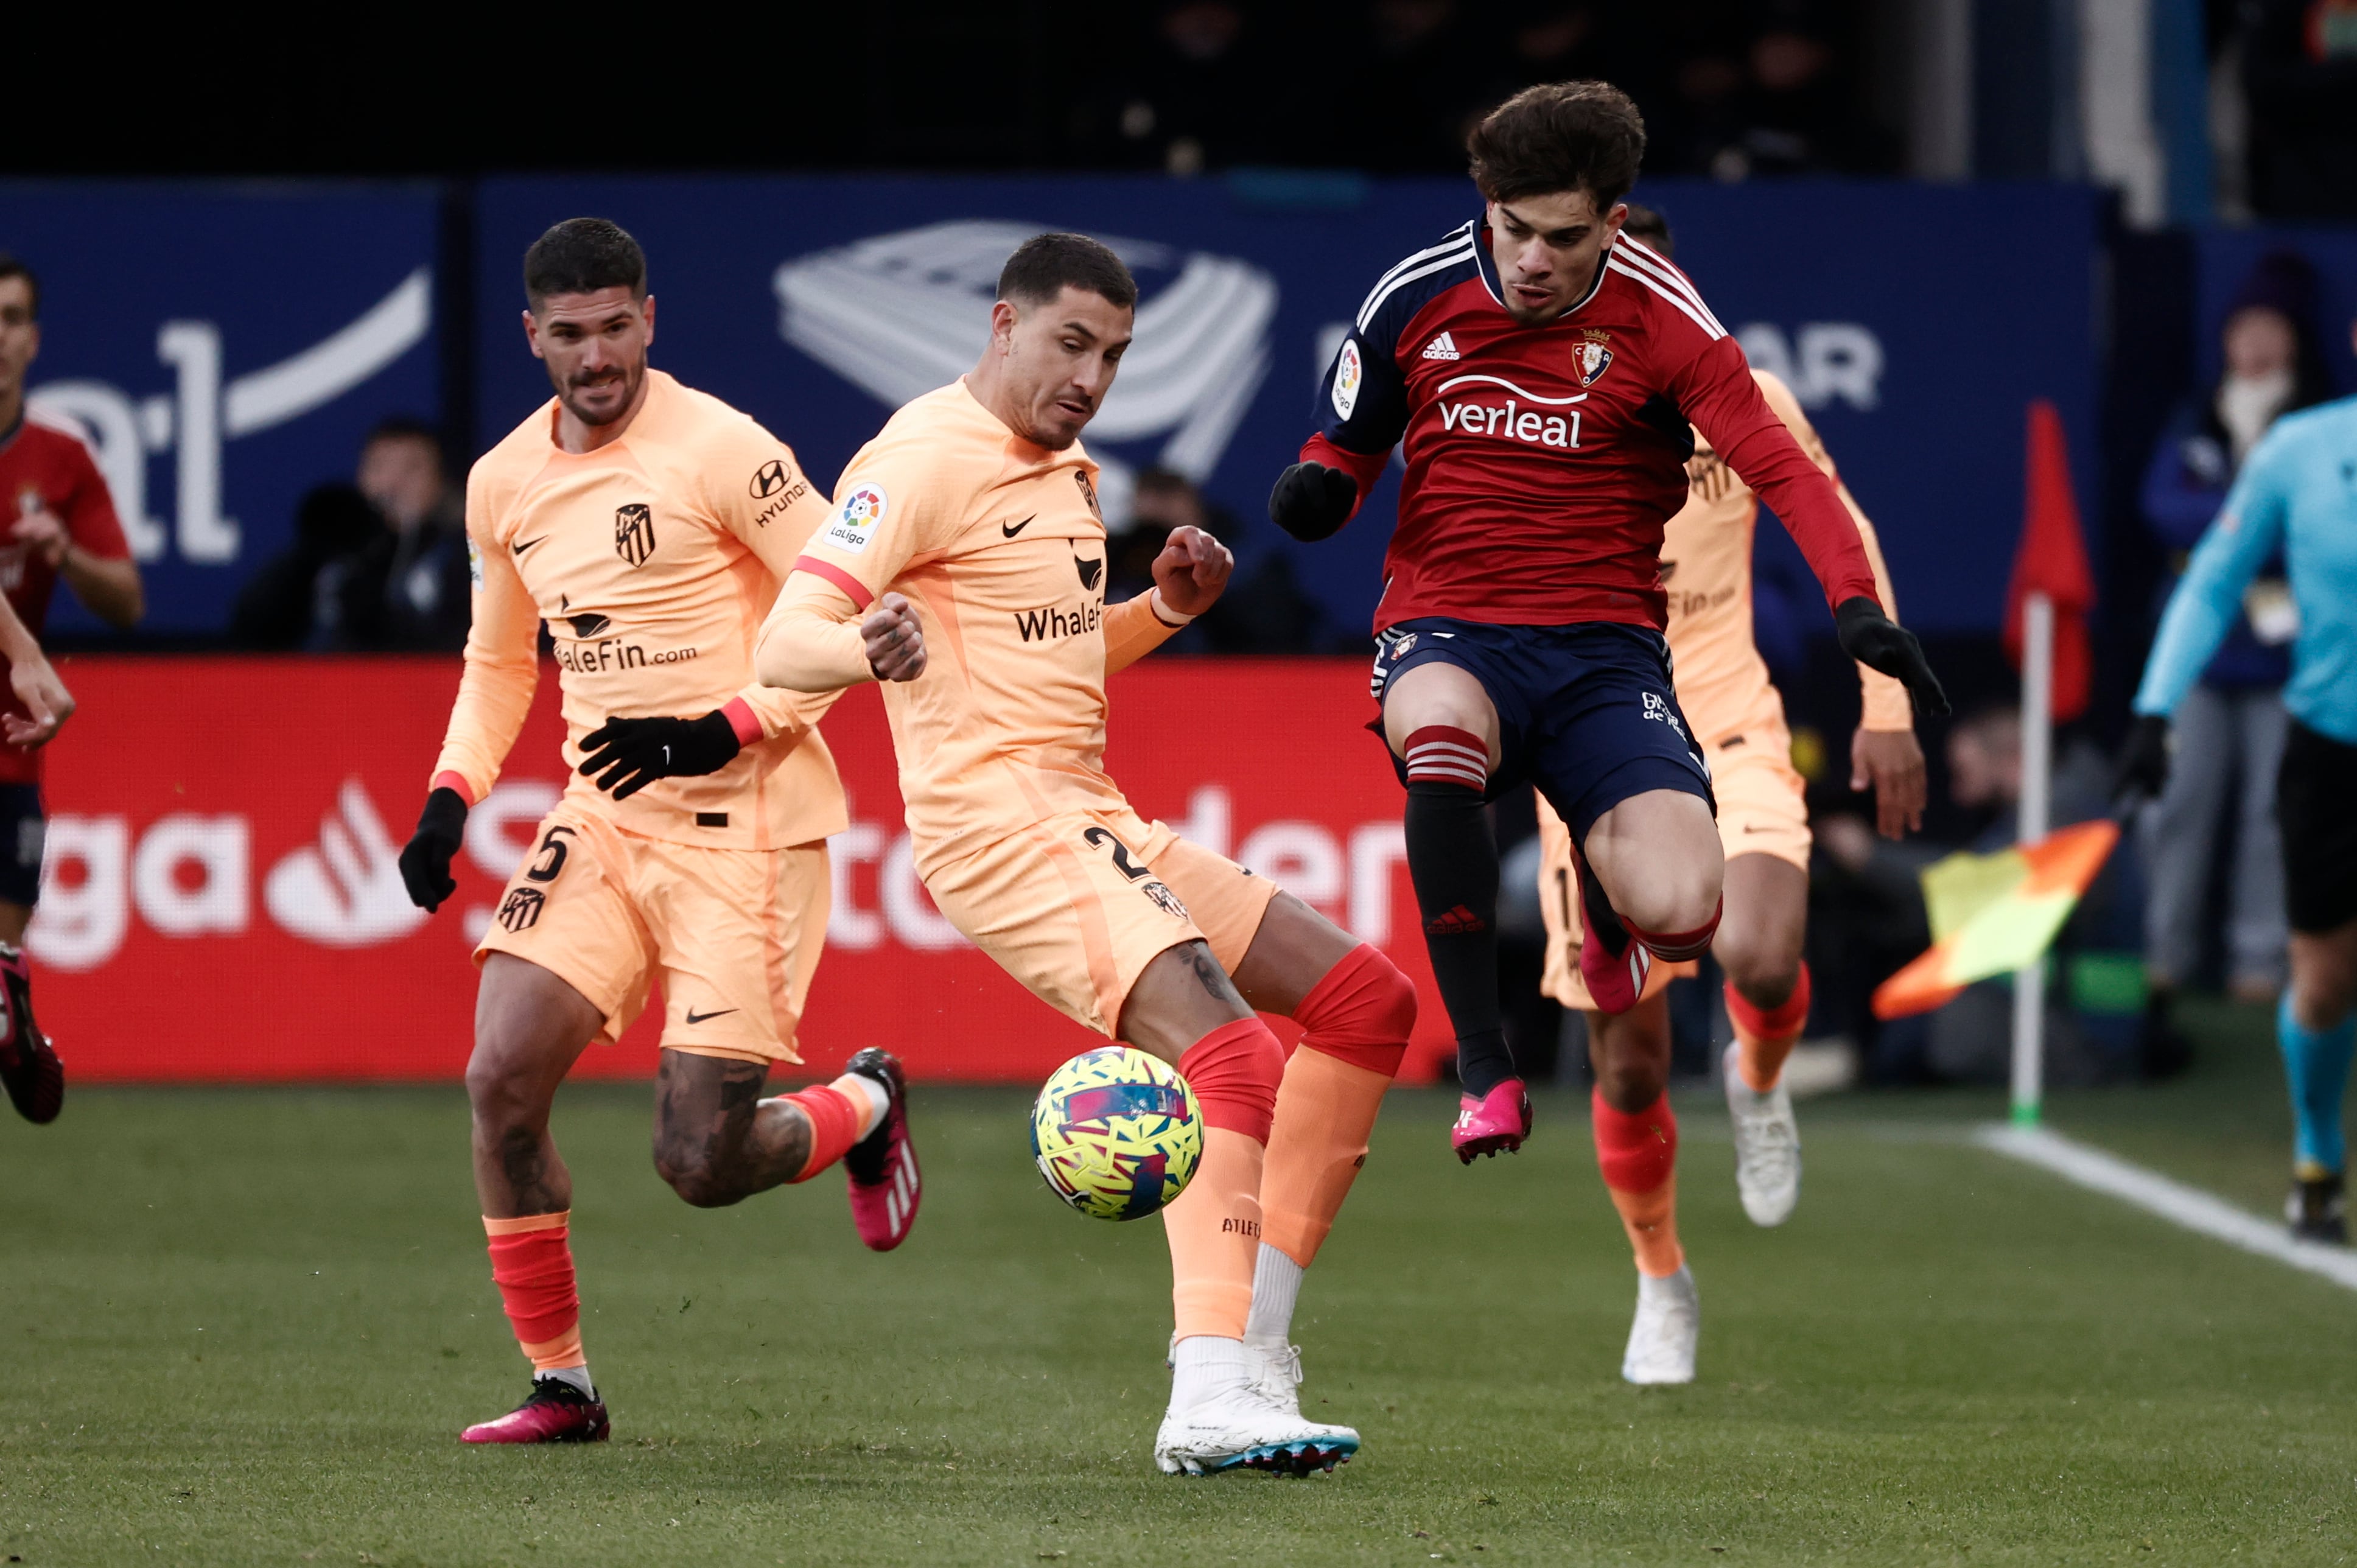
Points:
(1591, 359)
(634, 533)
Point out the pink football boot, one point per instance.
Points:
(886, 1185)
(1497, 1122)
(556, 1413)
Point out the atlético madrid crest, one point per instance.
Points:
(1593, 358)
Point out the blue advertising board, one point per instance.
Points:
(1916, 323)
(225, 348)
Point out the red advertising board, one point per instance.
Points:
(220, 901)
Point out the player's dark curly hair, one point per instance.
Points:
(582, 255)
(1045, 264)
(10, 267)
(1562, 135)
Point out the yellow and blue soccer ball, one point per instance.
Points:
(1116, 1132)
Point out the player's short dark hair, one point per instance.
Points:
(582, 255)
(407, 427)
(10, 267)
(1562, 135)
(1647, 225)
(1044, 265)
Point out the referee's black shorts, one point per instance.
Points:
(2316, 809)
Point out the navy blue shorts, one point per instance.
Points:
(1586, 713)
(21, 828)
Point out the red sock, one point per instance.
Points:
(1361, 1012)
(532, 1263)
(1765, 1037)
(835, 1125)
(1235, 1071)
(1445, 755)
(1677, 947)
(1638, 1153)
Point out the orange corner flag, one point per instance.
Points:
(2052, 560)
(1992, 914)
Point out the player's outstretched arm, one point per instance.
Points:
(1188, 577)
(810, 643)
(47, 703)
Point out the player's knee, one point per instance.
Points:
(1362, 1012)
(1630, 1084)
(1675, 899)
(1764, 966)
(1391, 1008)
(499, 1095)
(693, 1174)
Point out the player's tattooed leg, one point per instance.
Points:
(717, 1140)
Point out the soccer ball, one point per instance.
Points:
(1116, 1132)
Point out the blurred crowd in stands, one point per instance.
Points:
(1727, 86)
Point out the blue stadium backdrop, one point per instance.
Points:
(225, 348)
(1916, 322)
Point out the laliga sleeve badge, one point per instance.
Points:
(1349, 372)
(856, 521)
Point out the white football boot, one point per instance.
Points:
(1278, 1375)
(1668, 1323)
(1767, 1145)
(1244, 1424)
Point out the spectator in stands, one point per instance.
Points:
(2299, 76)
(2232, 726)
(1265, 609)
(289, 604)
(378, 565)
(406, 592)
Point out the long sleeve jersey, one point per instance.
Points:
(1544, 461)
(1722, 681)
(652, 560)
(2296, 494)
(998, 545)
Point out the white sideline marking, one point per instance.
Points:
(2190, 1207)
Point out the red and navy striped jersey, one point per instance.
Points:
(1543, 461)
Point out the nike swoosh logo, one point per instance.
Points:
(1012, 529)
(695, 1017)
(527, 544)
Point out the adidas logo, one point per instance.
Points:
(1459, 921)
(1441, 348)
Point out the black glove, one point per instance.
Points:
(1876, 641)
(1312, 502)
(2142, 771)
(627, 755)
(426, 858)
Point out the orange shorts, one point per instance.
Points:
(735, 934)
(1077, 904)
(1762, 809)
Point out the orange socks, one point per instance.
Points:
(1215, 1226)
(1764, 1038)
(1358, 1020)
(532, 1263)
(1638, 1154)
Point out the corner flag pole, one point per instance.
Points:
(2037, 749)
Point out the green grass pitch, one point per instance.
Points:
(246, 1328)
